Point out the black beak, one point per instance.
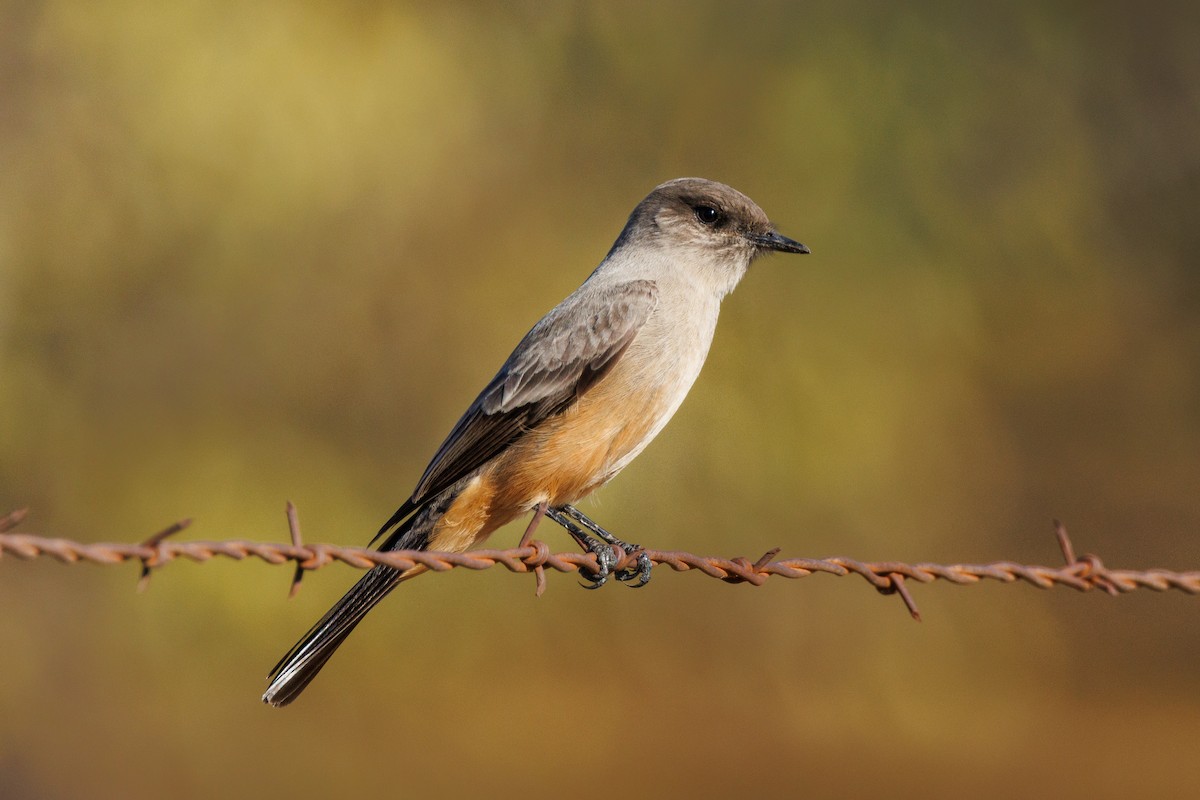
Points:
(776, 241)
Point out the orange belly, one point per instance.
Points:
(562, 461)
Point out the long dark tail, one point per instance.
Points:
(302, 663)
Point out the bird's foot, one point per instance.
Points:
(605, 550)
(640, 571)
(606, 559)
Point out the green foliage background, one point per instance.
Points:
(252, 252)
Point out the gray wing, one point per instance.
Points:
(561, 357)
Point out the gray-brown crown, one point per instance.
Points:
(699, 213)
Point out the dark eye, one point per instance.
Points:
(708, 215)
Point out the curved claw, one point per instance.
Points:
(641, 572)
(606, 557)
(629, 573)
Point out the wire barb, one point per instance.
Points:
(153, 543)
(539, 570)
(899, 587)
(1084, 573)
(293, 518)
(12, 519)
(1064, 542)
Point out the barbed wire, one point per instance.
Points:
(1083, 573)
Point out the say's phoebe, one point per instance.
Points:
(584, 392)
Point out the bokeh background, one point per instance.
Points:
(257, 252)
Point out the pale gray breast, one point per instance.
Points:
(668, 354)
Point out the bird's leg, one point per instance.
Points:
(606, 557)
(641, 572)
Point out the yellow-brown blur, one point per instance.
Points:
(259, 252)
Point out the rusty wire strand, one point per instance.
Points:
(1084, 573)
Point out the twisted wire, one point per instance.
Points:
(1083, 573)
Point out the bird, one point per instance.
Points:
(583, 393)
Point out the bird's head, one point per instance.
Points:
(704, 227)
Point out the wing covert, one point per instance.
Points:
(561, 357)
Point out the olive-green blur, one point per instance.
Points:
(260, 252)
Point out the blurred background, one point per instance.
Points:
(259, 252)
